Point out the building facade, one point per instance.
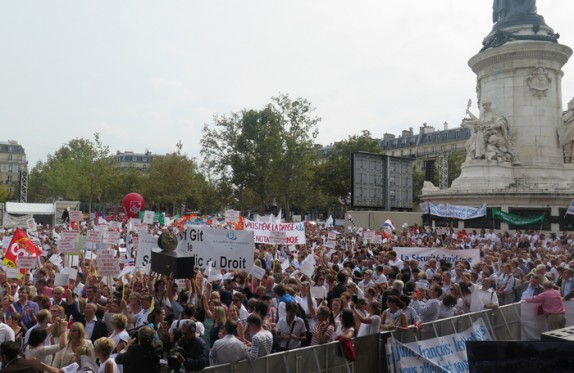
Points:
(426, 146)
(12, 162)
(138, 161)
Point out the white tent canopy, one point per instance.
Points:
(16, 208)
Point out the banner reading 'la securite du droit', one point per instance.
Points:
(294, 232)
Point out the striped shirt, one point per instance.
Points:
(261, 344)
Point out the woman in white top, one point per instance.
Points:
(372, 319)
(103, 348)
(85, 362)
(120, 336)
(36, 348)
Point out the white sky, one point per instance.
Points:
(146, 74)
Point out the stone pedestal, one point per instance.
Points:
(522, 80)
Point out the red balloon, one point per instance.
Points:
(133, 203)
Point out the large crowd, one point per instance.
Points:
(142, 322)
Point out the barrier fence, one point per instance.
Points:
(517, 321)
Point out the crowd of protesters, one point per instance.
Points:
(140, 321)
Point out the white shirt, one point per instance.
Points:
(6, 333)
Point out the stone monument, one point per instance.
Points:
(520, 153)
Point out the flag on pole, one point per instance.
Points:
(570, 210)
(388, 224)
(20, 245)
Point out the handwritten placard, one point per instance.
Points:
(111, 237)
(26, 262)
(31, 224)
(231, 216)
(108, 265)
(68, 241)
(62, 279)
(76, 216)
(148, 217)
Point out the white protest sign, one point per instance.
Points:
(307, 269)
(317, 292)
(231, 216)
(26, 262)
(285, 264)
(257, 272)
(212, 273)
(31, 224)
(76, 216)
(111, 237)
(227, 249)
(107, 263)
(146, 243)
(277, 237)
(56, 259)
(72, 272)
(148, 217)
(62, 279)
(424, 254)
(116, 225)
(292, 248)
(6, 241)
(126, 270)
(12, 273)
(94, 237)
(330, 244)
(332, 236)
(68, 241)
(425, 356)
(369, 235)
(295, 232)
(378, 239)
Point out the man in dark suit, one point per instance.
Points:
(12, 363)
(94, 328)
(531, 288)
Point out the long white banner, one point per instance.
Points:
(424, 254)
(225, 249)
(294, 232)
(457, 211)
(442, 354)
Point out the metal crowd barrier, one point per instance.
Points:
(503, 323)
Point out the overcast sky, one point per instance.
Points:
(146, 74)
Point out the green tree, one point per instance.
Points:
(333, 175)
(80, 170)
(264, 155)
(4, 193)
(170, 181)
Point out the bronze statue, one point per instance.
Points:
(505, 9)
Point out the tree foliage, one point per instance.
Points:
(265, 156)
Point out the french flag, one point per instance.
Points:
(388, 224)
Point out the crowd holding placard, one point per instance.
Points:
(336, 286)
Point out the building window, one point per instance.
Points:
(9, 179)
(457, 134)
(453, 147)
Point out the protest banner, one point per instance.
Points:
(107, 263)
(146, 243)
(13, 273)
(332, 236)
(226, 249)
(424, 254)
(446, 353)
(295, 232)
(285, 264)
(68, 242)
(277, 237)
(455, 211)
(330, 244)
